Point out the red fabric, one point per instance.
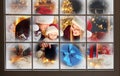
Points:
(97, 36)
(91, 51)
(96, 53)
(94, 37)
(56, 25)
(89, 25)
(101, 35)
(105, 50)
(44, 10)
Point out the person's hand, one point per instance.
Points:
(45, 45)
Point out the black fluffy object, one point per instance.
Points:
(20, 51)
(50, 53)
(77, 5)
(22, 27)
(27, 52)
(98, 6)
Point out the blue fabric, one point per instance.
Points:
(70, 54)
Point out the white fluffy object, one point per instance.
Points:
(24, 63)
(44, 19)
(51, 29)
(35, 27)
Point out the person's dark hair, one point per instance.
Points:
(22, 27)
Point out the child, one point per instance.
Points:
(43, 22)
(51, 34)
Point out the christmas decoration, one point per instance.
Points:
(98, 6)
(70, 55)
(99, 26)
(67, 7)
(93, 51)
(21, 56)
(76, 5)
(44, 7)
(100, 56)
(19, 5)
(96, 49)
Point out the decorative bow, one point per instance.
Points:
(71, 55)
